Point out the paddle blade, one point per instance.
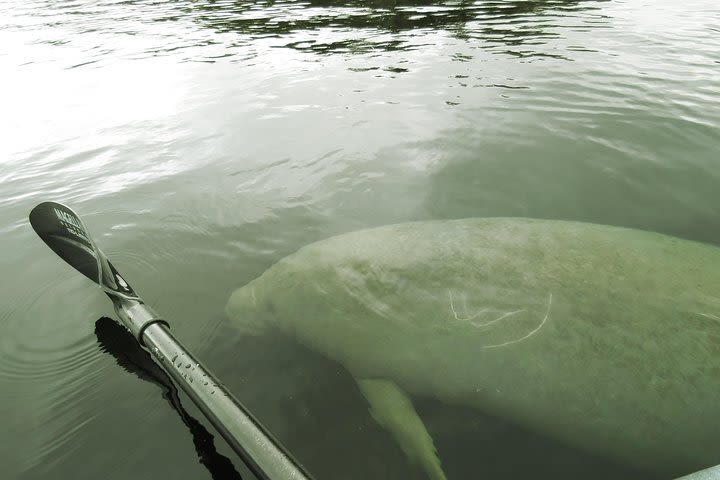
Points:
(63, 231)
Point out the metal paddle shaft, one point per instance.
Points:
(63, 231)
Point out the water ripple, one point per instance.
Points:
(58, 348)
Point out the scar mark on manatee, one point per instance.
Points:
(504, 315)
(469, 319)
(533, 332)
(709, 315)
(464, 317)
(459, 316)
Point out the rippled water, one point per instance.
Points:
(203, 140)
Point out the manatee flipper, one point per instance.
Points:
(392, 409)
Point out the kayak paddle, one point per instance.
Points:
(65, 233)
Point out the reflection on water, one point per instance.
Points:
(204, 140)
(364, 27)
(512, 27)
(120, 343)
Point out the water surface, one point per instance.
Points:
(204, 140)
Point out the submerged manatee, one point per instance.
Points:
(605, 338)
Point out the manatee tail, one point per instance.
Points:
(392, 409)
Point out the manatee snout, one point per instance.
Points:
(246, 312)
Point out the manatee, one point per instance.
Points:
(604, 338)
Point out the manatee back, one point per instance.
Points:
(603, 336)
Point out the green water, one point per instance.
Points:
(202, 141)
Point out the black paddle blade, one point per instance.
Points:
(63, 231)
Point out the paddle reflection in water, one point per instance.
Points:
(118, 342)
